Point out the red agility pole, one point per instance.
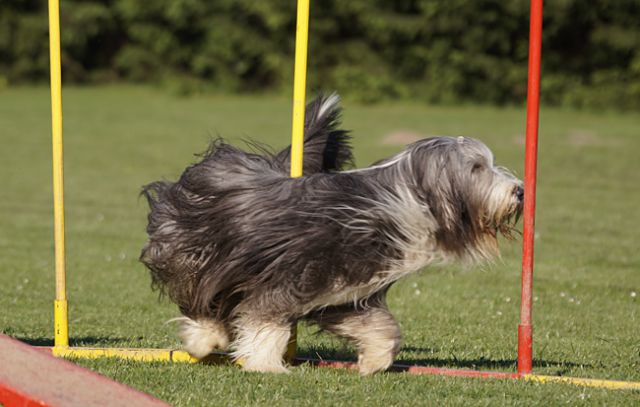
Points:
(525, 334)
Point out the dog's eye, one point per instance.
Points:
(476, 167)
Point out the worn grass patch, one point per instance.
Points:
(586, 304)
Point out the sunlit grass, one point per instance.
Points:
(586, 305)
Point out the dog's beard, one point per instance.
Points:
(498, 215)
(508, 221)
(504, 205)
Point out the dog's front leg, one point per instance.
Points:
(373, 330)
(260, 343)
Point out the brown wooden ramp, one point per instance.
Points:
(29, 377)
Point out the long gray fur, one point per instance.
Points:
(236, 240)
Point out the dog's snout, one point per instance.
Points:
(519, 192)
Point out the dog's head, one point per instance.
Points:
(471, 199)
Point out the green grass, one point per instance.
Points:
(586, 316)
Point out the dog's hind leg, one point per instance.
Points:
(201, 336)
(373, 330)
(260, 344)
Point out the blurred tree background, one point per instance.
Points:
(439, 51)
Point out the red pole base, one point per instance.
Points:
(525, 340)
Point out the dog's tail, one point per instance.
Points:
(187, 219)
(326, 147)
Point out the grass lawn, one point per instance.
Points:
(587, 276)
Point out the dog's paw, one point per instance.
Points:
(201, 337)
(371, 363)
(271, 368)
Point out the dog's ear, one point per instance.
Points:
(326, 147)
(443, 196)
(443, 187)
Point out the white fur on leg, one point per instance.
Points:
(200, 337)
(260, 346)
(374, 331)
(377, 353)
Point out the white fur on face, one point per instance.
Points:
(502, 198)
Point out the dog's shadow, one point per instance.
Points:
(347, 355)
(452, 362)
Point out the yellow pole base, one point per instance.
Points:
(61, 325)
(140, 355)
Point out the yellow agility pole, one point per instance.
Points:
(297, 127)
(61, 322)
(299, 87)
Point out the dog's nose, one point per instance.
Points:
(520, 193)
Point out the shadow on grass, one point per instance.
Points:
(344, 354)
(445, 362)
(88, 341)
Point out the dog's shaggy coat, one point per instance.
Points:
(245, 251)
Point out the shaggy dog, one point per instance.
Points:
(246, 252)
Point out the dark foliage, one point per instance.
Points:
(432, 50)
